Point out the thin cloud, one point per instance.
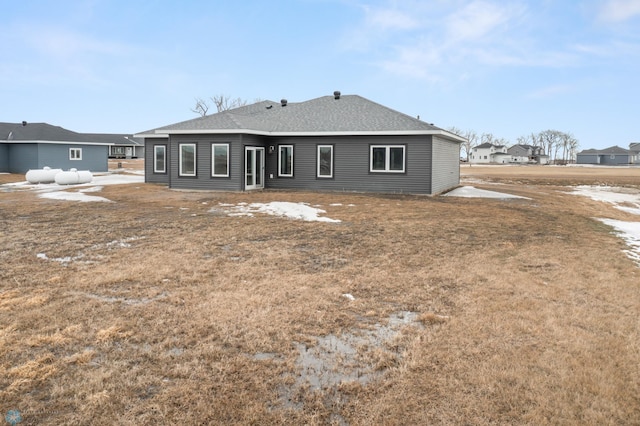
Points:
(619, 10)
(389, 19)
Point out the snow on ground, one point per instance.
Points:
(630, 232)
(299, 211)
(625, 199)
(60, 192)
(472, 192)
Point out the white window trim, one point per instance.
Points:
(195, 157)
(280, 174)
(155, 158)
(387, 158)
(77, 157)
(213, 160)
(330, 175)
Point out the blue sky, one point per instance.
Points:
(508, 68)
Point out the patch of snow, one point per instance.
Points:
(349, 296)
(630, 232)
(472, 192)
(298, 211)
(625, 199)
(73, 196)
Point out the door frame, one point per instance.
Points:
(257, 166)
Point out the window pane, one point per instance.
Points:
(396, 158)
(188, 159)
(378, 161)
(286, 160)
(325, 161)
(220, 160)
(159, 159)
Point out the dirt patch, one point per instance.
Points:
(156, 309)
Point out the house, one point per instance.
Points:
(527, 154)
(25, 146)
(120, 146)
(612, 156)
(331, 143)
(487, 153)
(634, 147)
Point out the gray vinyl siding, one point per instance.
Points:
(617, 160)
(203, 179)
(587, 159)
(351, 165)
(23, 157)
(149, 175)
(4, 158)
(445, 173)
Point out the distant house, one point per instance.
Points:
(527, 154)
(26, 146)
(634, 147)
(120, 146)
(612, 156)
(488, 153)
(331, 143)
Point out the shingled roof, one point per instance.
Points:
(43, 132)
(349, 114)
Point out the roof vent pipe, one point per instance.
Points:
(283, 102)
(24, 123)
(336, 94)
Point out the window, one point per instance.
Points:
(387, 158)
(75, 153)
(159, 159)
(285, 160)
(325, 161)
(187, 159)
(220, 160)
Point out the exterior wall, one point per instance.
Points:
(203, 179)
(4, 158)
(94, 157)
(24, 156)
(445, 170)
(480, 156)
(587, 159)
(351, 165)
(149, 175)
(617, 160)
(501, 158)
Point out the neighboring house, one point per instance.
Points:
(331, 143)
(612, 156)
(527, 154)
(120, 146)
(634, 147)
(488, 153)
(26, 146)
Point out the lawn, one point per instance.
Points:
(171, 307)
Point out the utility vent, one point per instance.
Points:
(336, 94)
(283, 102)
(269, 106)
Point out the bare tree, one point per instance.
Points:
(220, 102)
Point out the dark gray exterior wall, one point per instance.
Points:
(587, 159)
(445, 171)
(23, 157)
(4, 158)
(432, 166)
(617, 160)
(351, 165)
(149, 175)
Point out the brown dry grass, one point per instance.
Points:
(528, 308)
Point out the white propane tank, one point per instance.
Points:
(44, 175)
(73, 177)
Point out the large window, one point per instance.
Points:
(387, 158)
(220, 160)
(75, 153)
(325, 161)
(187, 159)
(159, 159)
(285, 160)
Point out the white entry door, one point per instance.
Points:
(253, 168)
